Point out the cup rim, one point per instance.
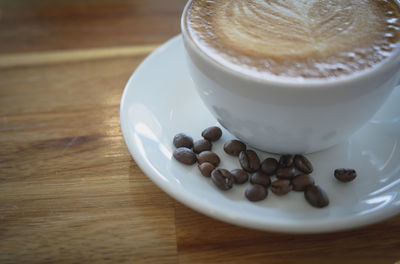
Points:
(282, 81)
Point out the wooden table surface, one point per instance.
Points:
(70, 191)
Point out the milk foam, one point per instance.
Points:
(296, 38)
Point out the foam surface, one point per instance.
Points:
(296, 38)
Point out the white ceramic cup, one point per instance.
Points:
(285, 115)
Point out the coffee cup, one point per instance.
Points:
(281, 114)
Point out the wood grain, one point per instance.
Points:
(69, 190)
(219, 242)
(28, 25)
(66, 56)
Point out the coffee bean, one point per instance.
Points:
(260, 178)
(183, 140)
(286, 161)
(256, 192)
(185, 155)
(208, 156)
(315, 196)
(201, 145)
(301, 181)
(206, 168)
(345, 175)
(303, 164)
(281, 187)
(234, 147)
(212, 133)
(269, 166)
(285, 173)
(249, 160)
(239, 176)
(222, 178)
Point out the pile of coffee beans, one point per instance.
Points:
(288, 173)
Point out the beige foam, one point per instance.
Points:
(307, 38)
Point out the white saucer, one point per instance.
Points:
(160, 101)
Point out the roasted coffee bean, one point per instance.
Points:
(206, 168)
(345, 175)
(256, 192)
(285, 173)
(201, 145)
(234, 147)
(303, 164)
(269, 166)
(208, 156)
(183, 140)
(281, 187)
(185, 155)
(301, 181)
(315, 196)
(239, 176)
(260, 178)
(212, 133)
(222, 178)
(249, 160)
(286, 161)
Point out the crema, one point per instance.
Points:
(296, 38)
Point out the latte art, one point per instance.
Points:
(296, 38)
(298, 28)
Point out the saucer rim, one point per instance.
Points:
(184, 197)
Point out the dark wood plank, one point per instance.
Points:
(55, 25)
(204, 240)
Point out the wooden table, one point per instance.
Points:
(69, 190)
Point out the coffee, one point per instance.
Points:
(185, 156)
(286, 161)
(234, 147)
(206, 168)
(281, 187)
(201, 145)
(269, 166)
(285, 173)
(303, 164)
(295, 38)
(260, 178)
(183, 140)
(239, 176)
(301, 181)
(249, 160)
(212, 133)
(208, 156)
(222, 178)
(345, 175)
(256, 192)
(316, 196)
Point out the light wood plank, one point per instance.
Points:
(70, 191)
(66, 56)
